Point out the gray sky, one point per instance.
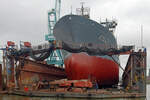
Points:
(26, 20)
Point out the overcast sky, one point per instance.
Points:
(26, 20)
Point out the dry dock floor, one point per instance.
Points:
(93, 94)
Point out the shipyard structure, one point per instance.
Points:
(80, 59)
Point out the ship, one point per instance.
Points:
(78, 29)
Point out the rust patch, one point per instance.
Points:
(31, 72)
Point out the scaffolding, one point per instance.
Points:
(134, 76)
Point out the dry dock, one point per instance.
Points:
(133, 81)
(99, 94)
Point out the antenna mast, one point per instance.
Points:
(142, 36)
(83, 11)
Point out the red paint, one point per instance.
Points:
(27, 44)
(83, 84)
(26, 89)
(76, 83)
(82, 66)
(10, 43)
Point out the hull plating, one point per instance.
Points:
(82, 66)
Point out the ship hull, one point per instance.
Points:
(74, 29)
(82, 66)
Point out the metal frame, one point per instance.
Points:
(134, 76)
(53, 16)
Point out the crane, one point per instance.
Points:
(53, 16)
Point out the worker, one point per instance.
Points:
(70, 88)
(95, 85)
(145, 50)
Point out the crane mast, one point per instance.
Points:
(53, 16)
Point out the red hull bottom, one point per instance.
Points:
(82, 66)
